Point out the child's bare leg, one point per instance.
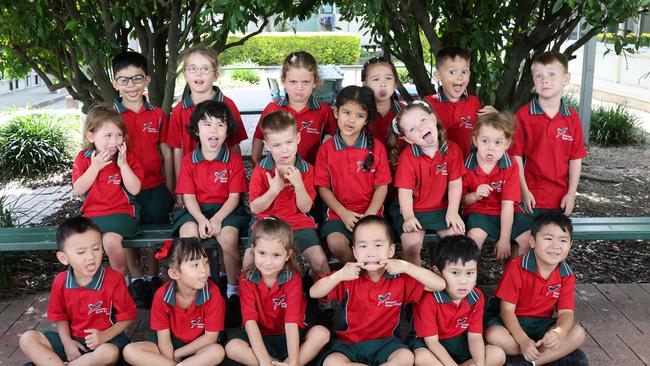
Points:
(112, 243)
(478, 235)
(228, 239)
(412, 246)
(494, 356)
(105, 354)
(152, 263)
(500, 336)
(189, 230)
(401, 357)
(145, 353)
(573, 340)
(133, 262)
(209, 355)
(240, 351)
(339, 245)
(523, 242)
(317, 260)
(248, 258)
(315, 339)
(38, 349)
(424, 357)
(337, 358)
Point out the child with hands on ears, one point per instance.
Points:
(428, 177)
(110, 177)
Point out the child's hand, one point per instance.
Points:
(502, 249)
(177, 356)
(292, 174)
(395, 266)
(411, 225)
(216, 226)
(349, 272)
(485, 110)
(455, 222)
(73, 349)
(276, 184)
(529, 350)
(529, 201)
(205, 228)
(94, 338)
(483, 191)
(99, 161)
(551, 339)
(350, 219)
(121, 155)
(568, 203)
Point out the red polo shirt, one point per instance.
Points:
(547, 144)
(273, 307)
(284, 206)
(97, 305)
(428, 178)
(179, 138)
(381, 124)
(340, 168)
(437, 314)
(211, 181)
(458, 118)
(371, 310)
(313, 122)
(147, 130)
(205, 314)
(504, 180)
(107, 195)
(533, 295)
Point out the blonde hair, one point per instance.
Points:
(278, 121)
(205, 52)
(275, 228)
(497, 120)
(98, 116)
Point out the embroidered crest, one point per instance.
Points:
(307, 125)
(562, 134)
(147, 128)
(497, 186)
(197, 323)
(114, 179)
(220, 177)
(386, 301)
(280, 302)
(441, 169)
(462, 323)
(466, 122)
(97, 308)
(554, 290)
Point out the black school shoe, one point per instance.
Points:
(155, 283)
(141, 293)
(575, 358)
(517, 360)
(233, 312)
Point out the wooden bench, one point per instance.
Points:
(585, 228)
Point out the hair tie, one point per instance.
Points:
(395, 127)
(423, 104)
(163, 252)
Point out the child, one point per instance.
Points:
(428, 178)
(200, 69)
(533, 286)
(548, 135)
(282, 184)
(147, 126)
(371, 301)
(273, 303)
(456, 109)
(315, 120)
(380, 75)
(352, 170)
(109, 176)
(491, 186)
(89, 303)
(449, 323)
(212, 180)
(187, 312)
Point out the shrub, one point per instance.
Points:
(251, 76)
(615, 126)
(33, 145)
(271, 49)
(404, 76)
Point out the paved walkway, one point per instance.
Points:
(30, 206)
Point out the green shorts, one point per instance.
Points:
(491, 224)
(372, 352)
(123, 224)
(120, 341)
(238, 218)
(276, 345)
(525, 221)
(303, 239)
(152, 336)
(155, 204)
(534, 327)
(431, 221)
(334, 226)
(457, 347)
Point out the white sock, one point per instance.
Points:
(148, 278)
(133, 279)
(126, 280)
(232, 290)
(222, 274)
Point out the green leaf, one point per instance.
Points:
(557, 6)
(71, 24)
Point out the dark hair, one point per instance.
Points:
(372, 219)
(277, 121)
(211, 108)
(379, 60)
(129, 58)
(182, 250)
(363, 96)
(549, 57)
(451, 53)
(552, 218)
(72, 226)
(275, 228)
(453, 248)
(301, 60)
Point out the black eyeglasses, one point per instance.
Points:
(124, 80)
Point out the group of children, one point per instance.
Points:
(440, 165)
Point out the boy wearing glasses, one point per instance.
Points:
(147, 127)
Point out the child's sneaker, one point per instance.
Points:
(233, 312)
(575, 358)
(141, 293)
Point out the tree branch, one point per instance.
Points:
(224, 46)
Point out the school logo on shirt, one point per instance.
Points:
(462, 323)
(554, 290)
(114, 179)
(466, 122)
(497, 186)
(97, 308)
(197, 323)
(387, 302)
(280, 302)
(148, 128)
(360, 167)
(307, 125)
(562, 134)
(220, 177)
(441, 169)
